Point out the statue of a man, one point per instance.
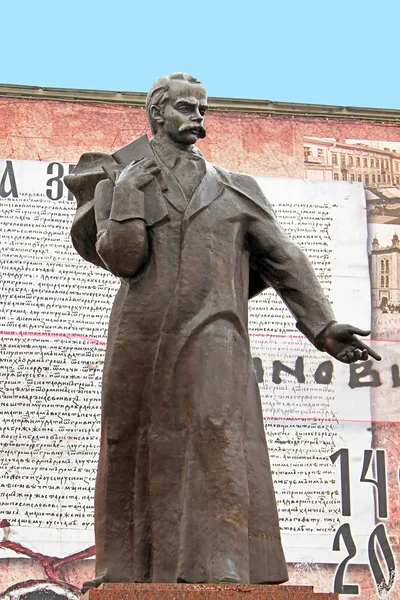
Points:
(184, 490)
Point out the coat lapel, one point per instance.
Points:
(166, 159)
(208, 190)
(174, 193)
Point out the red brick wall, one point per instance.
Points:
(255, 143)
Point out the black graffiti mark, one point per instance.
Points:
(343, 455)
(8, 174)
(359, 371)
(339, 586)
(55, 185)
(379, 536)
(71, 167)
(324, 373)
(380, 481)
(360, 375)
(297, 372)
(395, 375)
(258, 366)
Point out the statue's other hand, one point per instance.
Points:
(340, 341)
(138, 174)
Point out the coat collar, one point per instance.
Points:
(169, 155)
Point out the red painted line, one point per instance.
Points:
(49, 334)
(280, 335)
(300, 337)
(333, 420)
(80, 336)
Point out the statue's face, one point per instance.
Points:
(183, 113)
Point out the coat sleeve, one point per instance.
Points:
(122, 238)
(286, 268)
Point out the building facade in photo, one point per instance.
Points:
(342, 161)
(385, 274)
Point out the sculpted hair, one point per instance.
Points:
(158, 94)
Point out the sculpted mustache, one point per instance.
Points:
(201, 130)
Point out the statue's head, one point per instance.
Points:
(175, 106)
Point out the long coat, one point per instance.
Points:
(184, 489)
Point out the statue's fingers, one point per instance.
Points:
(356, 331)
(149, 163)
(132, 168)
(154, 170)
(144, 179)
(139, 165)
(357, 354)
(374, 354)
(366, 348)
(136, 163)
(343, 356)
(349, 357)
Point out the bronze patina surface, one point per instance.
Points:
(184, 490)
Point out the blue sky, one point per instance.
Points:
(329, 52)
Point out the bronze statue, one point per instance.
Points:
(184, 490)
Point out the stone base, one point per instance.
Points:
(204, 591)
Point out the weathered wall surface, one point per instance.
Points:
(253, 143)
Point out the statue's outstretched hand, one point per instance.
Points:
(340, 341)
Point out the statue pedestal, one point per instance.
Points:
(204, 591)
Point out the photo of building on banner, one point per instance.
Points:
(377, 165)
